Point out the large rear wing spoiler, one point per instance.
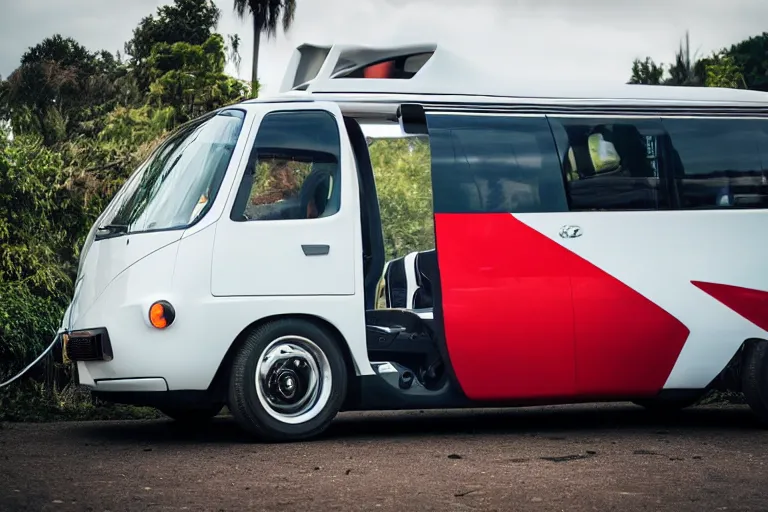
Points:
(352, 68)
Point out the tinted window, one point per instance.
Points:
(718, 163)
(293, 170)
(494, 164)
(612, 164)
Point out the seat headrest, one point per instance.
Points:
(605, 158)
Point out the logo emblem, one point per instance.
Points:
(570, 232)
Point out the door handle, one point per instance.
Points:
(570, 232)
(315, 250)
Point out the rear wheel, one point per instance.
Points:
(288, 381)
(755, 379)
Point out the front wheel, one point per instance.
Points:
(288, 381)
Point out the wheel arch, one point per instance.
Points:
(219, 383)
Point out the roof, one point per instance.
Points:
(336, 72)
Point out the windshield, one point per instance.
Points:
(177, 184)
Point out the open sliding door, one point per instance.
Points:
(505, 299)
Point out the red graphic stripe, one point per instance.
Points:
(514, 330)
(750, 303)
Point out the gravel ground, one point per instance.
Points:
(576, 458)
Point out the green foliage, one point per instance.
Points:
(751, 56)
(190, 79)
(403, 184)
(744, 66)
(722, 71)
(189, 21)
(30, 229)
(28, 323)
(60, 88)
(192, 21)
(646, 72)
(82, 122)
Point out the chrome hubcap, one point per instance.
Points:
(293, 379)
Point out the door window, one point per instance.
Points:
(494, 164)
(293, 170)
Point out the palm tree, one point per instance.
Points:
(266, 14)
(688, 70)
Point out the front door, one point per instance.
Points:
(293, 225)
(505, 285)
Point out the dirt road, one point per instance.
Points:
(566, 458)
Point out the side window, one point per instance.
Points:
(612, 164)
(494, 164)
(718, 163)
(294, 168)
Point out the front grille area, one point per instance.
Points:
(92, 345)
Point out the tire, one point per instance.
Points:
(264, 374)
(192, 415)
(754, 377)
(667, 406)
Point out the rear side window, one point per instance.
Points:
(719, 163)
(294, 169)
(485, 164)
(612, 164)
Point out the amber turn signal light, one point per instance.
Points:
(161, 314)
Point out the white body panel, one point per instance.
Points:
(121, 277)
(266, 258)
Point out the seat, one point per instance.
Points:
(425, 266)
(408, 316)
(409, 280)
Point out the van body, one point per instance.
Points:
(590, 245)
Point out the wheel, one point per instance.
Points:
(666, 406)
(288, 381)
(754, 377)
(192, 415)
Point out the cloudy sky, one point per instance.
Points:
(546, 39)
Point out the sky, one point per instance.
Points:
(541, 39)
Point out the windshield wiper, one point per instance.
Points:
(114, 229)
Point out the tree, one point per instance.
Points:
(722, 71)
(404, 185)
(687, 70)
(190, 78)
(266, 14)
(61, 89)
(646, 72)
(751, 56)
(188, 21)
